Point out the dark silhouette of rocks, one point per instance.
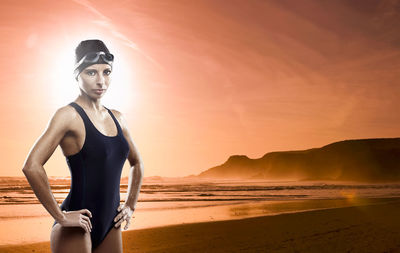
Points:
(364, 160)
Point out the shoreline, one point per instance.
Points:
(368, 228)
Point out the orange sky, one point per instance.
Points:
(199, 81)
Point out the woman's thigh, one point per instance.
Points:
(111, 243)
(69, 239)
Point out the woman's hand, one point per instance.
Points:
(77, 219)
(125, 213)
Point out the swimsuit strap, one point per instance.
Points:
(115, 120)
(81, 112)
(87, 120)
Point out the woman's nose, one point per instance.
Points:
(100, 79)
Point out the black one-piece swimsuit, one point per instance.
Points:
(95, 176)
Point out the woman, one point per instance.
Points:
(96, 143)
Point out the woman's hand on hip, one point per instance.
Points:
(78, 218)
(125, 214)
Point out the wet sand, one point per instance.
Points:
(365, 228)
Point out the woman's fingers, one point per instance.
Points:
(86, 211)
(120, 221)
(120, 215)
(128, 222)
(84, 225)
(87, 219)
(124, 214)
(79, 218)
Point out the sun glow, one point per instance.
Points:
(349, 195)
(64, 88)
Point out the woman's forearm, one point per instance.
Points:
(134, 185)
(39, 182)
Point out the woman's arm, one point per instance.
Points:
(136, 171)
(38, 156)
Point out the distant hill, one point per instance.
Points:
(366, 160)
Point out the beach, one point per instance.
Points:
(372, 227)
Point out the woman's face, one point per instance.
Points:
(95, 79)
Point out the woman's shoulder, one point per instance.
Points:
(119, 116)
(65, 113)
(61, 120)
(116, 113)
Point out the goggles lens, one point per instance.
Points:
(93, 57)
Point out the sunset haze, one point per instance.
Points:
(199, 81)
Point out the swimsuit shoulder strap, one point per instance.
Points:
(115, 120)
(88, 123)
(81, 112)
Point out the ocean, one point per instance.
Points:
(168, 201)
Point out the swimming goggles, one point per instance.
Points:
(93, 57)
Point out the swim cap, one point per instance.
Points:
(87, 46)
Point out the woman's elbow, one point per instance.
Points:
(31, 166)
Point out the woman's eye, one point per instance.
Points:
(90, 73)
(107, 72)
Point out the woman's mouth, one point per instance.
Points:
(99, 91)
